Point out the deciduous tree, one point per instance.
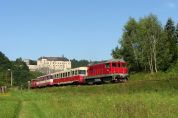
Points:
(5, 64)
(145, 45)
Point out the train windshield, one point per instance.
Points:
(82, 72)
(114, 65)
(124, 65)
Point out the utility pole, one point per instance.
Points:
(11, 77)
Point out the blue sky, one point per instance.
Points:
(81, 29)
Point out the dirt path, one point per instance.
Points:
(30, 110)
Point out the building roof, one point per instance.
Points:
(54, 58)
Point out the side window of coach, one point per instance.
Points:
(68, 74)
(76, 72)
(73, 73)
(82, 72)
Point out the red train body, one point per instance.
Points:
(112, 70)
(108, 71)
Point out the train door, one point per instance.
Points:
(107, 68)
(114, 67)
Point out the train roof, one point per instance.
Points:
(79, 68)
(116, 60)
(107, 61)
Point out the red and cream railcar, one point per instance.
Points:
(112, 70)
(64, 77)
(42, 81)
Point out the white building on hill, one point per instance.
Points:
(54, 63)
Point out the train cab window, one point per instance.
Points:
(124, 65)
(63, 74)
(107, 65)
(82, 72)
(114, 65)
(119, 65)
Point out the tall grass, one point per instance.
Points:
(155, 76)
(134, 99)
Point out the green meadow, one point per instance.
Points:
(146, 98)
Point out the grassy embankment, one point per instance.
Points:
(135, 99)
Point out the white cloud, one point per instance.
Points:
(171, 5)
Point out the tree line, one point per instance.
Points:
(83, 63)
(20, 71)
(147, 45)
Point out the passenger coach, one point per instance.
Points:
(72, 76)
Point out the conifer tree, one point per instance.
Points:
(176, 33)
(20, 72)
(170, 31)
